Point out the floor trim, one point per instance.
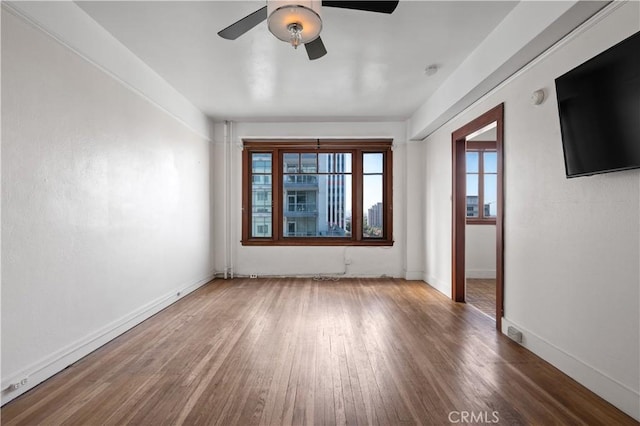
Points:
(618, 394)
(58, 361)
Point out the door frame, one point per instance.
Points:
(458, 139)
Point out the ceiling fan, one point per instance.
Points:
(299, 22)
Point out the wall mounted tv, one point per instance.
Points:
(599, 107)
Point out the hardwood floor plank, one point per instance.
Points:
(300, 351)
(481, 293)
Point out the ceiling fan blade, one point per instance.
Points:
(315, 49)
(235, 30)
(370, 6)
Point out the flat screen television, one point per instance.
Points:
(599, 107)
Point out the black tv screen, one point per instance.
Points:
(599, 106)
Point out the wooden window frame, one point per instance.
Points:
(481, 147)
(356, 147)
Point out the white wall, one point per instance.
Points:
(480, 251)
(437, 218)
(526, 32)
(295, 261)
(572, 246)
(66, 21)
(105, 207)
(414, 175)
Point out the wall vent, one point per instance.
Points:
(514, 334)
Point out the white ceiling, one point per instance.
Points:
(374, 69)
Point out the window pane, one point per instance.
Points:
(491, 162)
(472, 185)
(266, 179)
(261, 201)
(472, 196)
(261, 194)
(372, 162)
(301, 203)
(308, 163)
(261, 227)
(490, 195)
(472, 162)
(317, 205)
(344, 209)
(372, 208)
(261, 163)
(325, 163)
(343, 162)
(261, 210)
(334, 205)
(290, 163)
(300, 181)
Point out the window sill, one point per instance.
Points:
(476, 221)
(317, 242)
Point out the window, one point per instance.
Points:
(482, 182)
(317, 193)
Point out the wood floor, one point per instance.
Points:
(299, 351)
(481, 293)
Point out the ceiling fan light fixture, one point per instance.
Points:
(296, 22)
(295, 30)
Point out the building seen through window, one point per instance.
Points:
(317, 203)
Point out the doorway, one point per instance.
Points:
(480, 206)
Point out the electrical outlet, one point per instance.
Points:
(253, 276)
(18, 385)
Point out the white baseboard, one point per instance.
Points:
(618, 394)
(413, 275)
(480, 273)
(58, 361)
(442, 286)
